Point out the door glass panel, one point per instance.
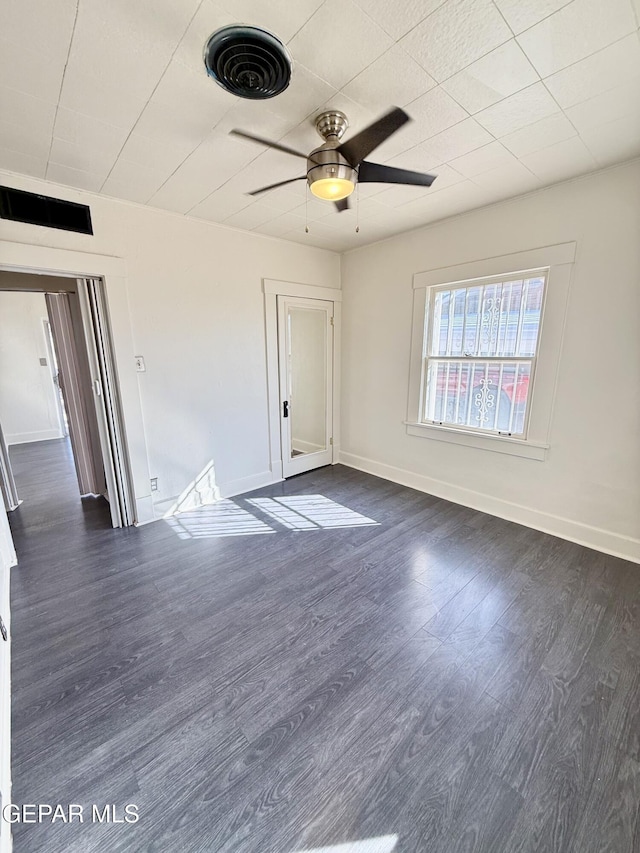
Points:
(307, 333)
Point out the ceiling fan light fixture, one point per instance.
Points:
(332, 189)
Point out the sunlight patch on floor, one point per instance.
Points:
(310, 512)
(381, 844)
(223, 518)
(299, 512)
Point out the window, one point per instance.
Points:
(484, 333)
(480, 351)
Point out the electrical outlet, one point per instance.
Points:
(140, 365)
(154, 484)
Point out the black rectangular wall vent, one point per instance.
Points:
(43, 210)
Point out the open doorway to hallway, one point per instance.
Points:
(58, 384)
(47, 413)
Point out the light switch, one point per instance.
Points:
(140, 365)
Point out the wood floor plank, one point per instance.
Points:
(443, 678)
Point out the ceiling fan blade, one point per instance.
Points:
(279, 184)
(261, 141)
(341, 205)
(363, 143)
(377, 173)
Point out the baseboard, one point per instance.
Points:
(248, 484)
(38, 435)
(583, 534)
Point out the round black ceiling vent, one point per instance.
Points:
(248, 62)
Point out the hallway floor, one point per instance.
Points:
(332, 659)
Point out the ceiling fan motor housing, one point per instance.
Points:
(325, 162)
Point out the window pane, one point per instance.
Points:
(497, 320)
(487, 395)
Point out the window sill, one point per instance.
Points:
(498, 443)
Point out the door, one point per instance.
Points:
(74, 378)
(305, 361)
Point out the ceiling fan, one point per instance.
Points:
(334, 168)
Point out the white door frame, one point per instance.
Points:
(273, 288)
(46, 323)
(67, 263)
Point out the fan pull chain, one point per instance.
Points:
(357, 208)
(306, 209)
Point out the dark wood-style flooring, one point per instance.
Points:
(441, 681)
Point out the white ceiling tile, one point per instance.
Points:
(303, 96)
(190, 91)
(25, 164)
(463, 196)
(210, 166)
(393, 79)
(434, 112)
(455, 35)
(34, 114)
(89, 133)
(175, 126)
(399, 17)
(454, 142)
(24, 70)
(252, 216)
(98, 96)
(133, 182)
(282, 224)
(352, 42)
(560, 161)
(286, 198)
(42, 27)
(518, 110)
(81, 158)
(282, 19)
(165, 157)
(540, 134)
(614, 142)
(597, 73)
(27, 123)
(89, 181)
(498, 74)
(609, 106)
(522, 14)
(507, 181)
(491, 156)
(575, 32)
(221, 204)
(118, 55)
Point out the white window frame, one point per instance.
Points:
(557, 263)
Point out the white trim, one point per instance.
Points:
(616, 544)
(45, 260)
(307, 291)
(501, 265)
(484, 441)
(37, 435)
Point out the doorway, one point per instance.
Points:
(75, 336)
(303, 355)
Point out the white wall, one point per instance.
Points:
(588, 488)
(197, 313)
(28, 410)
